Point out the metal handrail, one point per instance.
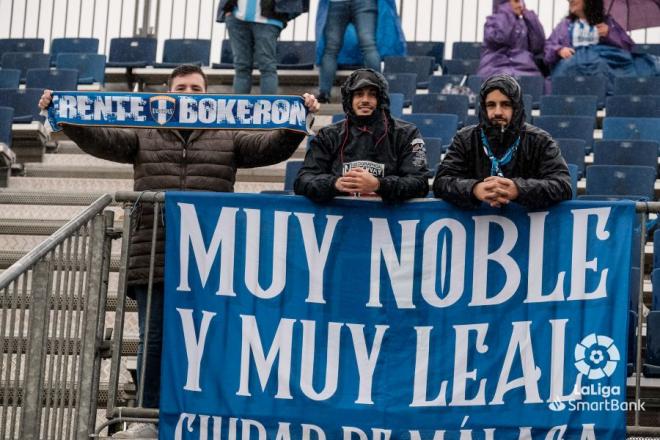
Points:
(29, 259)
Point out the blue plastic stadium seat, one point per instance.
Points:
(621, 180)
(461, 66)
(185, 51)
(534, 86)
(338, 117)
(573, 151)
(569, 127)
(292, 168)
(24, 102)
(132, 52)
(296, 55)
(435, 49)
(90, 66)
(637, 85)
(396, 104)
(653, 49)
(422, 66)
(437, 103)
(634, 106)
(651, 368)
(404, 83)
(632, 128)
(24, 61)
(438, 83)
(441, 126)
(569, 105)
(474, 83)
(72, 45)
(226, 56)
(434, 150)
(21, 45)
(466, 50)
(622, 152)
(54, 79)
(573, 171)
(581, 85)
(655, 282)
(6, 119)
(9, 78)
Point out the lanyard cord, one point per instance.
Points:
(495, 163)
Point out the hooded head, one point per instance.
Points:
(509, 87)
(505, 5)
(360, 79)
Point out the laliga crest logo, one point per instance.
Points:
(596, 356)
(162, 108)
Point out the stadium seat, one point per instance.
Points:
(422, 66)
(634, 106)
(621, 180)
(532, 85)
(72, 45)
(651, 366)
(132, 52)
(435, 49)
(6, 119)
(633, 288)
(441, 126)
(569, 105)
(466, 50)
(7, 156)
(90, 66)
(655, 282)
(438, 103)
(434, 150)
(24, 61)
(581, 85)
(226, 56)
(569, 127)
(338, 117)
(21, 45)
(396, 104)
(637, 85)
(573, 171)
(622, 152)
(24, 102)
(474, 83)
(647, 129)
(10, 78)
(296, 55)
(573, 151)
(653, 49)
(461, 67)
(54, 79)
(438, 83)
(185, 51)
(292, 168)
(404, 83)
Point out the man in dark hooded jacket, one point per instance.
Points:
(369, 152)
(502, 159)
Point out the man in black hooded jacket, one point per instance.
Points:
(502, 159)
(369, 152)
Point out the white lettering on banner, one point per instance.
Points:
(187, 112)
(307, 360)
(243, 111)
(280, 111)
(226, 111)
(579, 255)
(194, 345)
(137, 109)
(83, 108)
(422, 372)
(500, 256)
(102, 107)
(252, 260)
(557, 364)
(535, 277)
(261, 112)
(366, 362)
(401, 271)
(461, 373)
(207, 110)
(120, 110)
(67, 106)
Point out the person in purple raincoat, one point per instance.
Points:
(513, 35)
(588, 42)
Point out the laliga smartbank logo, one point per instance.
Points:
(596, 357)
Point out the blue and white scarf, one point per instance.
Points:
(178, 111)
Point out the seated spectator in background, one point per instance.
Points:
(502, 159)
(513, 35)
(588, 42)
(253, 27)
(368, 153)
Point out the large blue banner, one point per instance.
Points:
(357, 320)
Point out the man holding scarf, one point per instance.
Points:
(178, 160)
(502, 159)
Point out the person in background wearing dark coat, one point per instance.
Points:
(513, 35)
(502, 159)
(254, 27)
(369, 152)
(176, 160)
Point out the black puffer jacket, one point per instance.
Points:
(163, 160)
(537, 168)
(394, 148)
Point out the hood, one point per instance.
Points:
(365, 78)
(501, 6)
(510, 87)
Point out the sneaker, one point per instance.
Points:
(141, 431)
(323, 98)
